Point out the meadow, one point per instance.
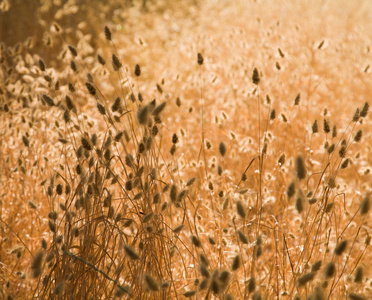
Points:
(195, 149)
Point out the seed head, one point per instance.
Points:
(222, 149)
(240, 209)
(358, 136)
(334, 131)
(91, 89)
(174, 138)
(151, 283)
(291, 190)
(315, 127)
(364, 111)
(116, 106)
(366, 205)
(252, 285)
(330, 270)
(331, 148)
(326, 127)
(48, 100)
(341, 247)
(306, 278)
(107, 33)
(59, 189)
(316, 266)
(101, 109)
(342, 151)
(73, 50)
(142, 115)
(281, 53)
(41, 65)
(116, 63)
(195, 241)
(200, 59)
(158, 109)
(300, 168)
(37, 264)
(255, 76)
(345, 164)
(101, 60)
(236, 264)
(272, 114)
(26, 141)
(358, 275)
(137, 70)
(86, 144)
(173, 193)
(299, 201)
(189, 294)
(297, 99)
(281, 159)
(242, 237)
(130, 252)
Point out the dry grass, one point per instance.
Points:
(235, 164)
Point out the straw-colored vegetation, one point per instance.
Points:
(187, 149)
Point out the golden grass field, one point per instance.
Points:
(187, 149)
